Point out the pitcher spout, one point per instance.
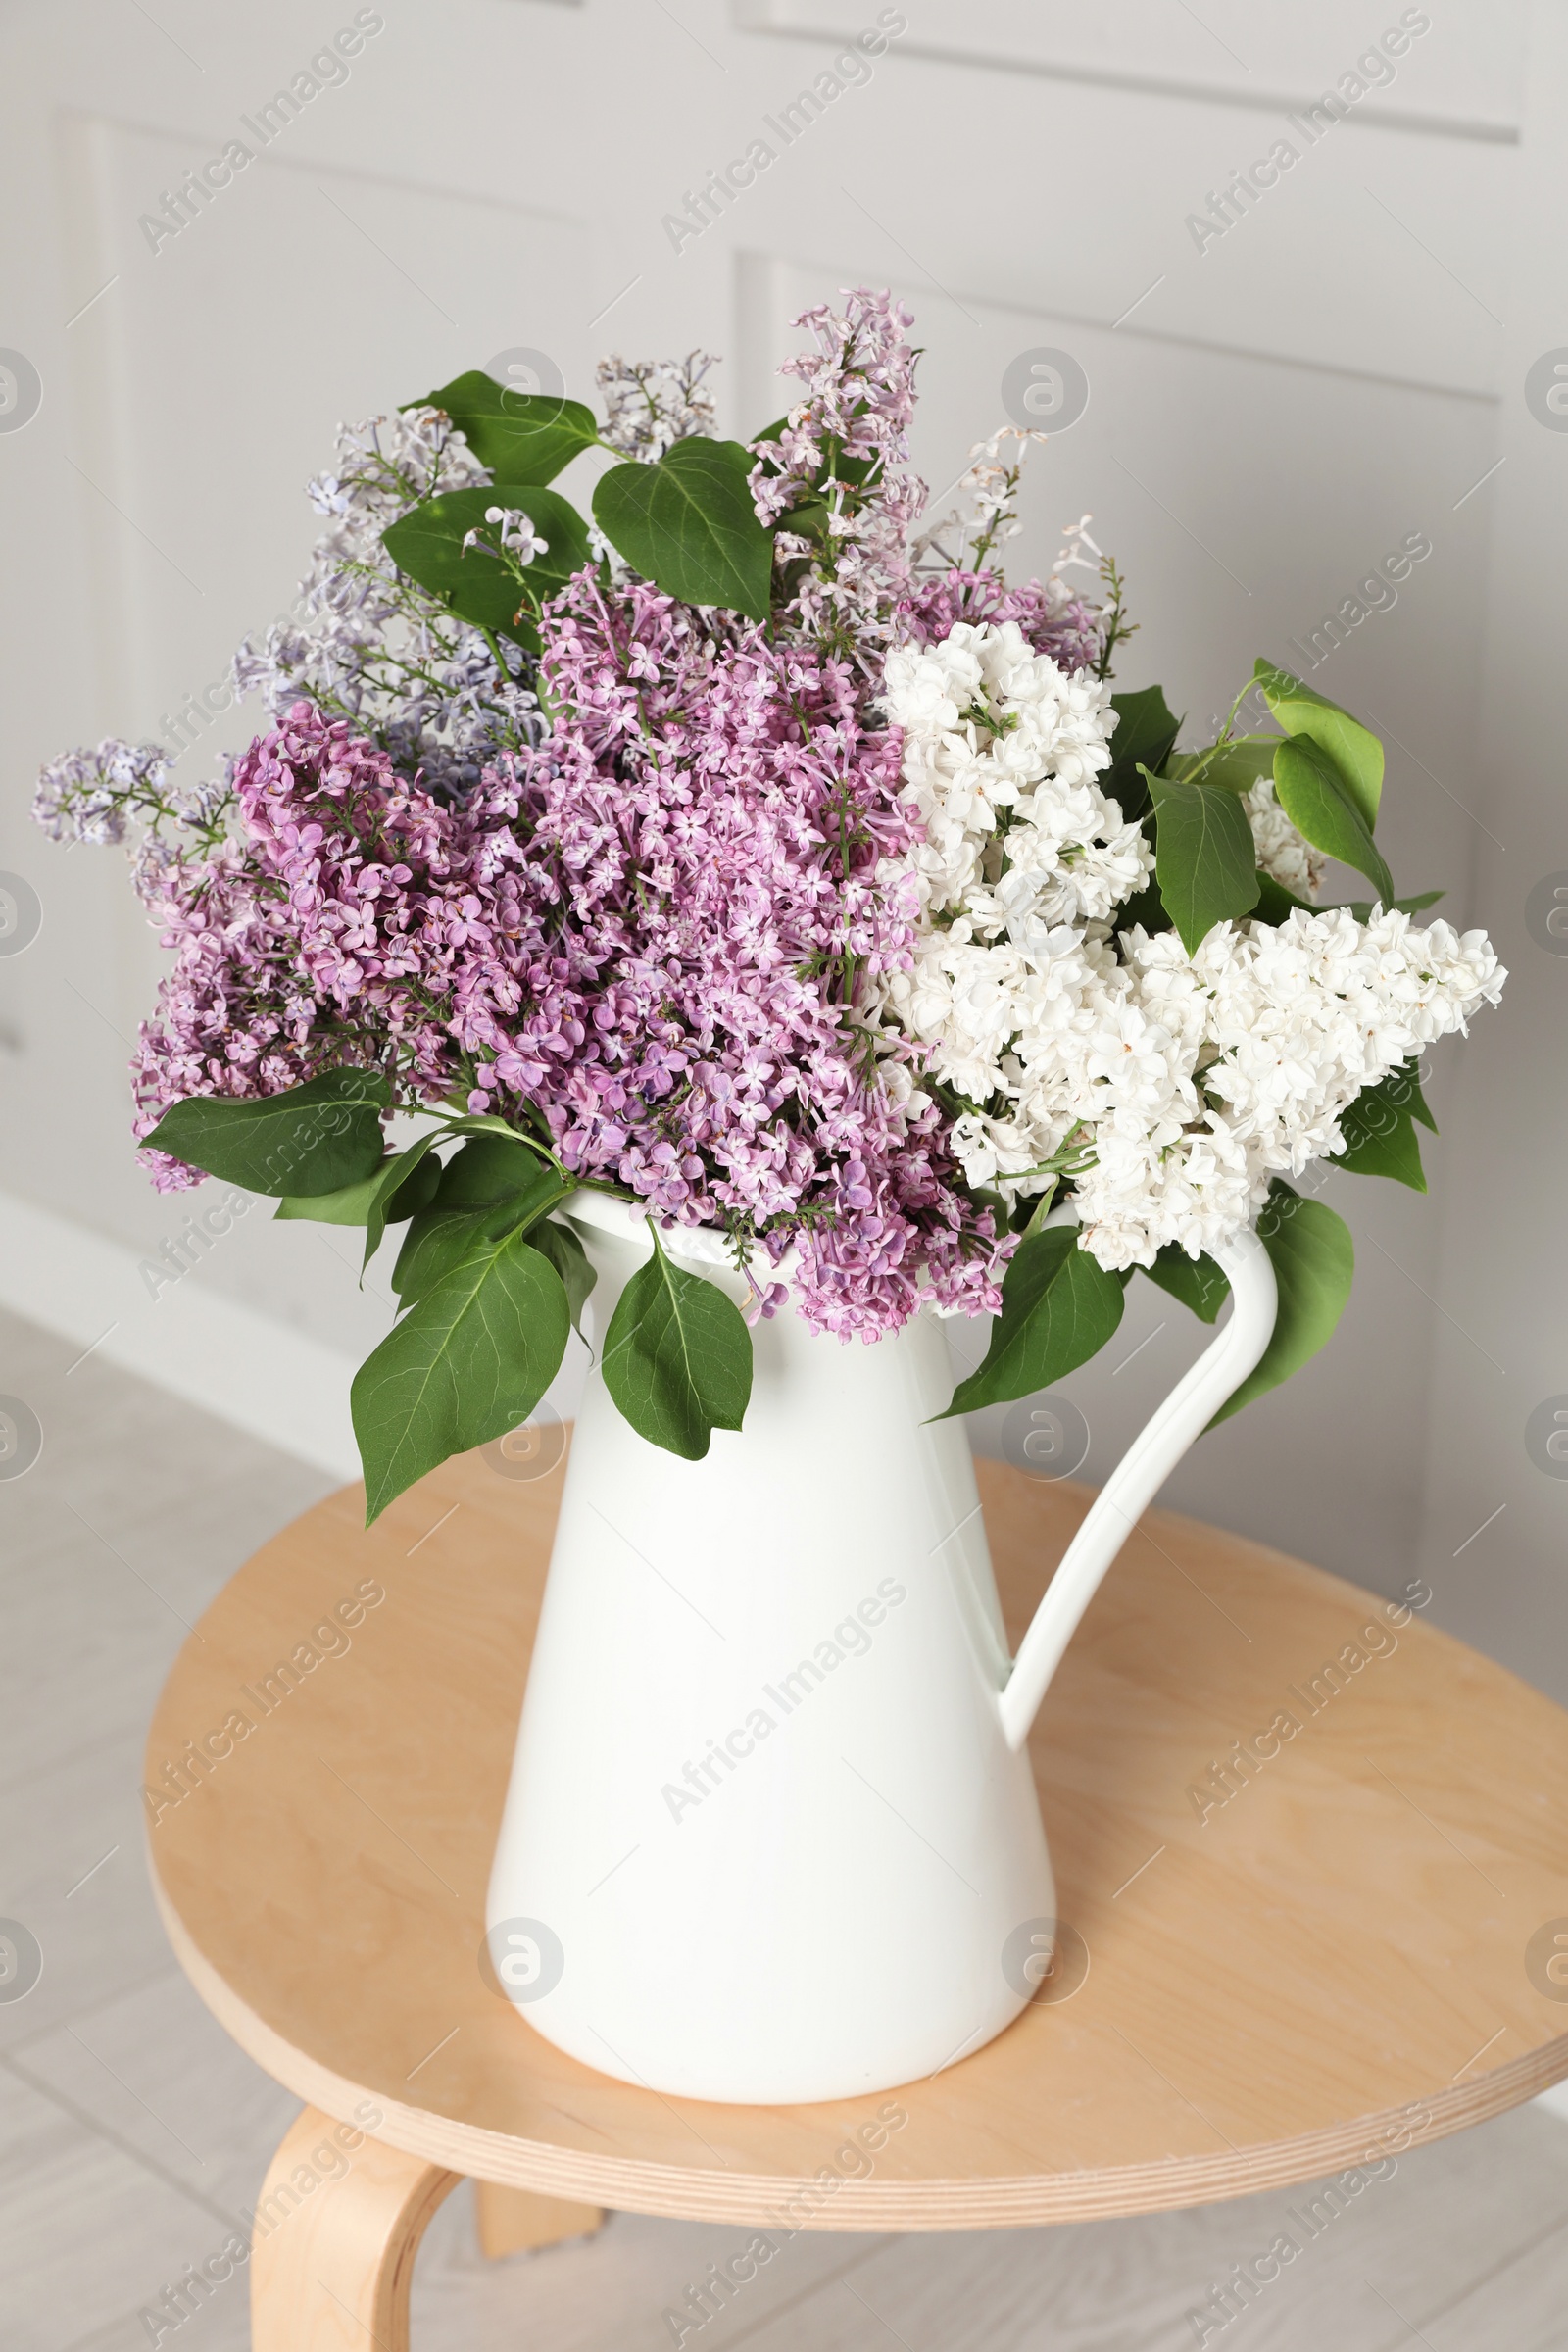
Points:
(1139, 1475)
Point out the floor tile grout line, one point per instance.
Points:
(135, 1571)
(134, 1731)
(1409, 2325)
(817, 2286)
(146, 2107)
(94, 1873)
(169, 1974)
(1473, 2286)
(87, 2122)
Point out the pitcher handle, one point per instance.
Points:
(1140, 1473)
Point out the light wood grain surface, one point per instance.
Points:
(1330, 1966)
(336, 2266)
(513, 2221)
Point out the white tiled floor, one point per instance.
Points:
(131, 2130)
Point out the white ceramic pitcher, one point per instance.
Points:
(771, 1822)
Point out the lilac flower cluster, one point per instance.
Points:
(659, 935)
(324, 932)
(1054, 622)
(651, 403)
(124, 789)
(816, 931)
(839, 468)
(649, 932)
(440, 697)
(707, 833)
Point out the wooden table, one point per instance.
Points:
(1302, 1954)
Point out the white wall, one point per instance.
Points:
(1499, 1331)
(1268, 416)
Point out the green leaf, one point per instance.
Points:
(570, 1259)
(489, 1189)
(1142, 736)
(1354, 751)
(1040, 1210)
(426, 543)
(353, 1205)
(1196, 1281)
(1415, 1099)
(1380, 1143)
(1146, 908)
(1314, 1263)
(424, 1177)
(1204, 859)
(1275, 903)
(812, 520)
(349, 1206)
(521, 436)
(1361, 909)
(1313, 795)
(311, 1139)
(414, 1192)
(466, 1363)
(437, 1240)
(677, 1357)
(1380, 1137)
(1237, 767)
(490, 1168)
(1059, 1308)
(688, 525)
(540, 1189)
(406, 1183)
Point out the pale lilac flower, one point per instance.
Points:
(651, 403)
(843, 450)
(370, 645)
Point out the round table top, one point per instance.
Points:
(1337, 1949)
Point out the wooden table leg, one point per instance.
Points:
(332, 2265)
(510, 2219)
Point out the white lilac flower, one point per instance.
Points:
(1282, 851)
(989, 491)
(516, 534)
(1000, 750)
(1296, 1021)
(1178, 1086)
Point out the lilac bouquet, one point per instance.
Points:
(751, 856)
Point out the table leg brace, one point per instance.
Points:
(511, 2219)
(330, 2271)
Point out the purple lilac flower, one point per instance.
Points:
(711, 826)
(642, 932)
(651, 934)
(1054, 622)
(321, 934)
(858, 403)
